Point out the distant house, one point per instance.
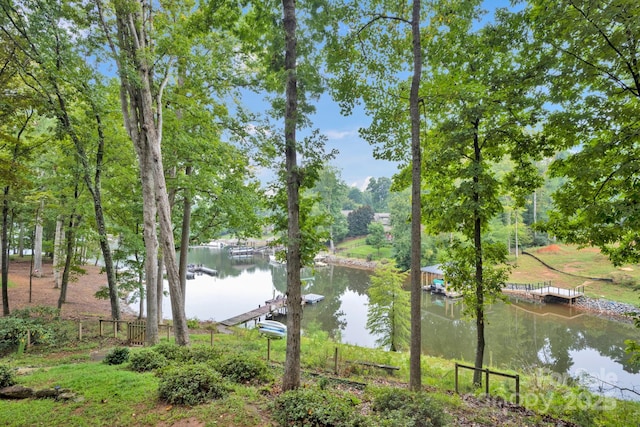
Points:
(381, 217)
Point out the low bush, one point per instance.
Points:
(7, 376)
(147, 360)
(319, 408)
(42, 330)
(117, 356)
(191, 385)
(401, 407)
(172, 352)
(243, 369)
(204, 353)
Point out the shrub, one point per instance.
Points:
(172, 352)
(191, 385)
(7, 376)
(243, 369)
(317, 408)
(204, 353)
(117, 356)
(13, 332)
(193, 323)
(147, 360)
(401, 407)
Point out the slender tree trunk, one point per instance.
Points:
(160, 287)
(57, 252)
(37, 256)
(415, 373)
(477, 240)
(184, 238)
(21, 240)
(291, 378)
(4, 261)
(70, 234)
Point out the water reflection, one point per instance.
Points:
(518, 335)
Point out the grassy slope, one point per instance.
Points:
(116, 396)
(587, 263)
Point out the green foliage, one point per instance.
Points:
(376, 237)
(204, 353)
(242, 368)
(319, 408)
(191, 384)
(172, 352)
(7, 376)
(388, 315)
(147, 360)
(14, 330)
(359, 221)
(117, 356)
(401, 407)
(193, 323)
(460, 271)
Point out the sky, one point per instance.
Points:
(355, 156)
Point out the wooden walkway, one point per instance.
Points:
(544, 290)
(269, 307)
(554, 291)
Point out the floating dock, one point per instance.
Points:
(270, 306)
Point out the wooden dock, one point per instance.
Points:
(544, 290)
(269, 307)
(554, 291)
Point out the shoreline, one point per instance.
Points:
(612, 310)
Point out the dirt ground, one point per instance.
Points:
(80, 302)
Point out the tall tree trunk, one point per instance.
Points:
(70, 235)
(415, 374)
(291, 378)
(37, 255)
(142, 112)
(5, 252)
(184, 238)
(21, 240)
(151, 250)
(57, 252)
(160, 288)
(477, 241)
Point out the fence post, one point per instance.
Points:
(456, 381)
(100, 322)
(487, 381)
(79, 330)
(517, 389)
(335, 361)
(268, 349)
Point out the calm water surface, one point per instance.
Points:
(518, 336)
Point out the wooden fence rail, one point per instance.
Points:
(487, 372)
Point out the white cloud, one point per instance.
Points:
(337, 134)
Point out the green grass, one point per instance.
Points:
(358, 248)
(115, 396)
(583, 265)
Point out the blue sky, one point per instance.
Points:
(355, 158)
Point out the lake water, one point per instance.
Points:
(519, 336)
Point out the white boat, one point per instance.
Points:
(272, 329)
